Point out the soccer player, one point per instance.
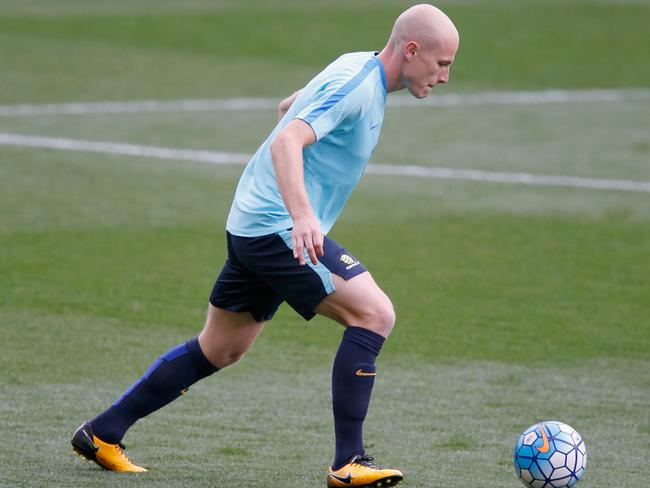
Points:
(288, 198)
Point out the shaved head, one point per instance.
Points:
(424, 24)
(420, 51)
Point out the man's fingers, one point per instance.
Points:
(294, 246)
(318, 244)
(311, 251)
(309, 238)
(299, 251)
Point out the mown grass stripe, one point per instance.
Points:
(221, 157)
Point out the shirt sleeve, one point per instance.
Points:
(331, 106)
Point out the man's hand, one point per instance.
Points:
(284, 105)
(307, 234)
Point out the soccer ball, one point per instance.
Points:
(550, 455)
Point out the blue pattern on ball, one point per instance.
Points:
(550, 454)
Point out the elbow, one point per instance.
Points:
(291, 140)
(279, 141)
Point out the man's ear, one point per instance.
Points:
(411, 50)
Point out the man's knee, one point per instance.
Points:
(379, 318)
(220, 355)
(227, 358)
(227, 336)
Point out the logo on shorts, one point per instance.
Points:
(349, 260)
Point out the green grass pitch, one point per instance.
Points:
(515, 303)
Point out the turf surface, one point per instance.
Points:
(126, 49)
(515, 304)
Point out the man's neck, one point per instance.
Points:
(391, 61)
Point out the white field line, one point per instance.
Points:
(400, 100)
(227, 158)
(212, 157)
(509, 177)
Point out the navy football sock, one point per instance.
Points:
(353, 377)
(165, 380)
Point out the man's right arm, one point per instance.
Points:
(286, 150)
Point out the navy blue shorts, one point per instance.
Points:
(260, 273)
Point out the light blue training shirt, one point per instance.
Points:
(344, 105)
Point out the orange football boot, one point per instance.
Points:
(108, 456)
(361, 472)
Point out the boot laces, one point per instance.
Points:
(365, 460)
(119, 447)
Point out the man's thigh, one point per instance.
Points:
(239, 289)
(261, 272)
(359, 302)
(270, 260)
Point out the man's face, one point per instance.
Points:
(425, 68)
